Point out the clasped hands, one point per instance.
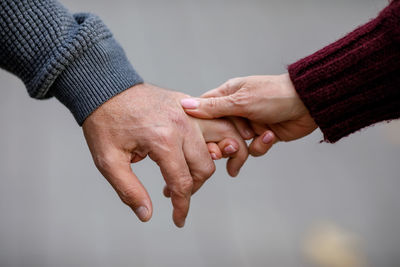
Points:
(146, 120)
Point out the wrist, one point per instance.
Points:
(298, 109)
(99, 74)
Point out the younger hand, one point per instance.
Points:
(271, 103)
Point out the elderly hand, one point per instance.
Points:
(271, 103)
(147, 120)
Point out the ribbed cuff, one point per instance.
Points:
(355, 81)
(100, 73)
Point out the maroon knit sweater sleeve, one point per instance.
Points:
(354, 82)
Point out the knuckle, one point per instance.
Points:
(209, 170)
(228, 85)
(164, 135)
(205, 172)
(232, 82)
(212, 102)
(226, 88)
(183, 187)
(104, 162)
(240, 98)
(186, 185)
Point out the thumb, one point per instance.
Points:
(210, 108)
(131, 191)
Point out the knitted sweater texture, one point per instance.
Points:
(354, 82)
(72, 57)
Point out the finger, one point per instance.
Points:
(214, 151)
(230, 142)
(213, 107)
(117, 170)
(166, 192)
(216, 154)
(227, 88)
(258, 128)
(243, 127)
(236, 150)
(237, 160)
(177, 176)
(198, 159)
(228, 147)
(262, 143)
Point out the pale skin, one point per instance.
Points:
(146, 120)
(271, 105)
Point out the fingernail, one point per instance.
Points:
(247, 133)
(181, 224)
(214, 156)
(190, 103)
(141, 212)
(268, 137)
(235, 173)
(230, 149)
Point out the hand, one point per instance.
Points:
(147, 120)
(271, 103)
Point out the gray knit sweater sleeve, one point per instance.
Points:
(72, 57)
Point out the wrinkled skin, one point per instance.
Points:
(146, 120)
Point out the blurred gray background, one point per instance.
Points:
(57, 210)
